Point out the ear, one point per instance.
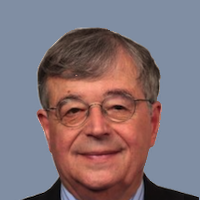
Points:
(155, 120)
(44, 121)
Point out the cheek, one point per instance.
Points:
(60, 139)
(136, 135)
(61, 143)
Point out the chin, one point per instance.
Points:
(97, 187)
(97, 183)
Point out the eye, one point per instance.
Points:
(118, 107)
(73, 111)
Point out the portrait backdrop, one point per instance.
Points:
(169, 30)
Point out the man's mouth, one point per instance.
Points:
(99, 155)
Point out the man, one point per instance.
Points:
(100, 116)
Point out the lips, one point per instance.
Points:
(99, 154)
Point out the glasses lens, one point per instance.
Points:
(72, 112)
(119, 108)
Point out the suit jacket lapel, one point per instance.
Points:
(154, 192)
(54, 191)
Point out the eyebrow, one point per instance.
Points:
(114, 92)
(118, 92)
(71, 96)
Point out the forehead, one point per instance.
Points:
(122, 76)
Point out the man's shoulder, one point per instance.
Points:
(37, 197)
(152, 191)
(52, 193)
(172, 194)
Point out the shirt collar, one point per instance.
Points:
(139, 195)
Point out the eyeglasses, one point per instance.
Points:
(73, 112)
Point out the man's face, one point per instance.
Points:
(101, 154)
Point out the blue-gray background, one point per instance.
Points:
(170, 30)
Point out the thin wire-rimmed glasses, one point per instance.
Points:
(73, 112)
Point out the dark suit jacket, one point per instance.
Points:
(152, 192)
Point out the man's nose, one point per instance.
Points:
(97, 125)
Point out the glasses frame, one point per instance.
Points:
(102, 110)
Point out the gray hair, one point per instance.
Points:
(89, 53)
